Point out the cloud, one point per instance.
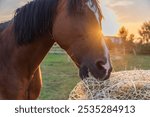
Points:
(130, 10)
(130, 13)
(121, 3)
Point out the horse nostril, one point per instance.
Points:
(102, 62)
(99, 65)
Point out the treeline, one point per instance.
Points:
(131, 44)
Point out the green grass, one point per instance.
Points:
(131, 62)
(60, 75)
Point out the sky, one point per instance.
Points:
(128, 13)
(7, 8)
(117, 13)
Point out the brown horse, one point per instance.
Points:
(25, 40)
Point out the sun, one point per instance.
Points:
(110, 25)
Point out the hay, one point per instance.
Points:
(124, 85)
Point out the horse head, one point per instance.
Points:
(77, 29)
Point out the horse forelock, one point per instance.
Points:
(77, 6)
(94, 8)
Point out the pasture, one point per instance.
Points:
(60, 75)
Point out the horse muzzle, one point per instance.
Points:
(97, 71)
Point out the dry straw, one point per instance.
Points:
(124, 85)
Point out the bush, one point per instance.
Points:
(143, 48)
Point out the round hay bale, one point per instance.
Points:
(123, 85)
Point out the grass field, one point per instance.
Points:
(60, 74)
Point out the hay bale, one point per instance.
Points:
(124, 85)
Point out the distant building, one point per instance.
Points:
(115, 40)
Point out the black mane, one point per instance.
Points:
(34, 19)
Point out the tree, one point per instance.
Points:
(123, 33)
(145, 32)
(131, 37)
(130, 44)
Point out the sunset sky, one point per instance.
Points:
(128, 13)
(117, 13)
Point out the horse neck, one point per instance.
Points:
(26, 57)
(36, 51)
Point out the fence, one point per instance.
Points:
(56, 49)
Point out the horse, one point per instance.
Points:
(26, 39)
(4, 25)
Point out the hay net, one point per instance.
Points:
(124, 85)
